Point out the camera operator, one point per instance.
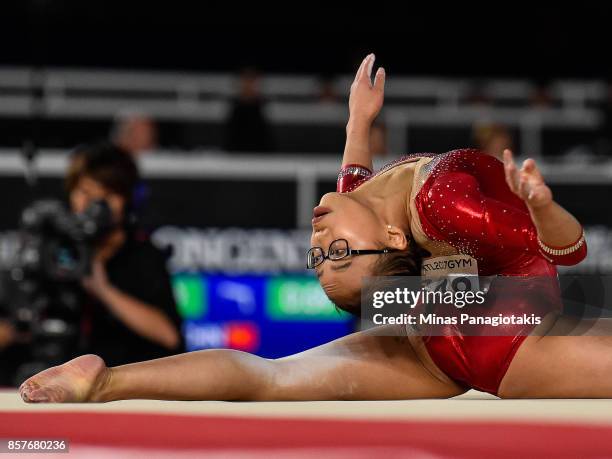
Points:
(129, 312)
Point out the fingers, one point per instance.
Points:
(364, 73)
(507, 156)
(527, 182)
(529, 165)
(512, 173)
(524, 188)
(359, 70)
(530, 168)
(379, 80)
(365, 68)
(371, 58)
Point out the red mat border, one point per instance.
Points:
(170, 431)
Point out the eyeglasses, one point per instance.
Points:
(338, 250)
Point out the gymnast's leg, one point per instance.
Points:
(360, 366)
(560, 366)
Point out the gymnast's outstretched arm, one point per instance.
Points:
(365, 102)
(356, 367)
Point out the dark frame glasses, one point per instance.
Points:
(338, 250)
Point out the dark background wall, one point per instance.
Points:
(492, 39)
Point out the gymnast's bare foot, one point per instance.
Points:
(79, 380)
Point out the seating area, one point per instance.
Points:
(306, 114)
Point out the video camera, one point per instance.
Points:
(42, 286)
(57, 245)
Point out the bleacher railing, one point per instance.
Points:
(306, 170)
(101, 94)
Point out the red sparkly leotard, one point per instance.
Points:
(461, 204)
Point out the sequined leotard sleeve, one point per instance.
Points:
(351, 176)
(465, 201)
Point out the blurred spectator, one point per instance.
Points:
(477, 94)
(541, 96)
(378, 139)
(327, 90)
(134, 132)
(247, 128)
(492, 139)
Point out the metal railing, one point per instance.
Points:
(93, 94)
(305, 170)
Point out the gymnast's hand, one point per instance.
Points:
(527, 183)
(366, 99)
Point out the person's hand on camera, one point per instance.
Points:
(97, 282)
(366, 99)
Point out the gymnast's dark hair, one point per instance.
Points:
(401, 263)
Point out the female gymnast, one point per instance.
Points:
(461, 203)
